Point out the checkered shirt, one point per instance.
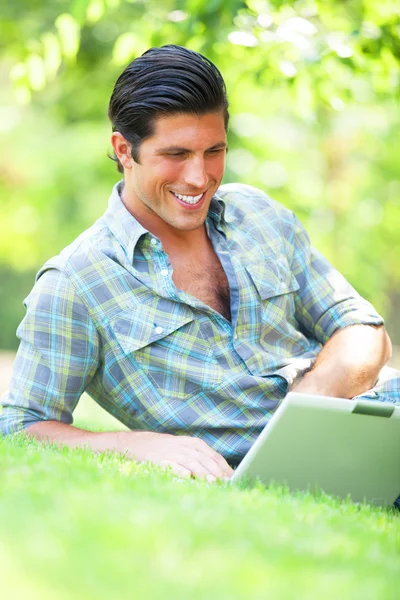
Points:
(105, 317)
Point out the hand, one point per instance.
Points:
(187, 456)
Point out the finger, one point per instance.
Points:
(224, 470)
(197, 469)
(212, 467)
(227, 469)
(202, 446)
(176, 468)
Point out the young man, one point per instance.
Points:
(188, 310)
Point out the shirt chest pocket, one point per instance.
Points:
(273, 278)
(168, 346)
(274, 294)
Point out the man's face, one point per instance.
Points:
(181, 167)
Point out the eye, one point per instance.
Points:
(215, 150)
(175, 154)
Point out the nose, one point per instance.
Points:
(195, 173)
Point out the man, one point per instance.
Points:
(188, 310)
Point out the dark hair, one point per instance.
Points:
(169, 80)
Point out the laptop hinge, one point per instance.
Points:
(363, 407)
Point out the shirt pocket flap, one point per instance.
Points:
(272, 278)
(145, 325)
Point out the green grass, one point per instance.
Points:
(78, 526)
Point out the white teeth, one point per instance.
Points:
(188, 199)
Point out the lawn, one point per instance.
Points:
(78, 526)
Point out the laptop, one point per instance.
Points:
(345, 448)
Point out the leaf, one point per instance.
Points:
(36, 72)
(127, 47)
(95, 11)
(69, 34)
(52, 53)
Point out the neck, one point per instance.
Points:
(172, 239)
(184, 242)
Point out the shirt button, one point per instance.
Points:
(159, 330)
(153, 241)
(164, 272)
(235, 337)
(283, 284)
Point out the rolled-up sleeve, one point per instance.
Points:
(325, 300)
(57, 357)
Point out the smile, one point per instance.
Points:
(188, 199)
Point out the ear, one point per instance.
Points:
(122, 149)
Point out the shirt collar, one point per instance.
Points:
(128, 230)
(121, 223)
(216, 210)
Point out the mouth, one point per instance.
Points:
(189, 202)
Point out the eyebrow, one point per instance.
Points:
(217, 146)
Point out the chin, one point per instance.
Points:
(188, 226)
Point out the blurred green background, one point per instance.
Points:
(313, 89)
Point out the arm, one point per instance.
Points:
(187, 456)
(349, 363)
(355, 343)
(58, 356)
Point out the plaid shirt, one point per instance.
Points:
(105, 317)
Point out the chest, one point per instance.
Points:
(204, 278)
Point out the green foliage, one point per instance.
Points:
(313, 87)
(75, 525)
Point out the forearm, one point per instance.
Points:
(349, 363)
(74, 437)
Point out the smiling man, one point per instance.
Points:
(169, 192)
(190, 309)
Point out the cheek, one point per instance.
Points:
(217, 167)
(167, 174)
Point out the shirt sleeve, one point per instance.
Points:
(57, 357)
(325, 300)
